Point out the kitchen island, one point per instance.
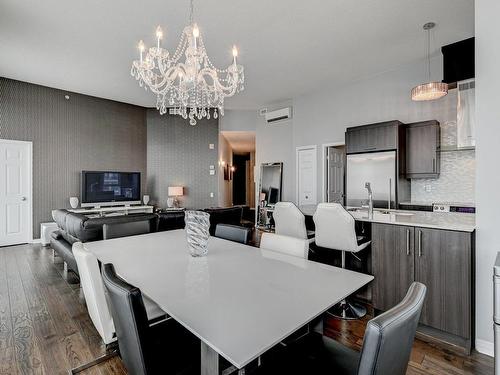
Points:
(449, 221)
(436, 249)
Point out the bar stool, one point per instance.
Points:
(290, 221)
(335, 229)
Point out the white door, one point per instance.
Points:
(15, 192)
(306, 175)
(335, 174)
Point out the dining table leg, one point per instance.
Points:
(209, 360)
(210, 363)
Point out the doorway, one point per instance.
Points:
(16, 215)
(334, 163)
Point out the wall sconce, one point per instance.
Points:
(229, 171)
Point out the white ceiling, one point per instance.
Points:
(288, 47)
(240, 141)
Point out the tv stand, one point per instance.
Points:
(114, 210)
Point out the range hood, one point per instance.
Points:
(459, 72)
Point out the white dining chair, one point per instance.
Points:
(97, 305)
(285, 244)
(290, 221)
(335, 230)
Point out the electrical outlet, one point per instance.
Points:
(212, 195)
(211, 146)
(212, 172)
(428, 188)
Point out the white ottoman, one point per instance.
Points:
(45, 230)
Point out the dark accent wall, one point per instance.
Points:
(179, 155)
(70, 136)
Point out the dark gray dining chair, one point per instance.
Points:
(162, 348)
(386, 347)
(233, 233)
(132, 228)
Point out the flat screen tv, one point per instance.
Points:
(101, 188)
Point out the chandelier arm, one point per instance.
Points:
(229, 89)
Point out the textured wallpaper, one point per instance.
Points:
(456, 182)
(82, 133)
(178, 154)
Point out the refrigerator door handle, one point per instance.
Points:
(390, 194)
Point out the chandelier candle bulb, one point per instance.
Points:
(196, 34)
(141, 48)
(159, 36)
(235, 54)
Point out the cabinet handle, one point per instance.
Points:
(370, 148)
(407, 242)
(434, 165)
(419, 243)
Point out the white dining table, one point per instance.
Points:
(238, 300)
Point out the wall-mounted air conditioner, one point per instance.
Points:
(278, 115)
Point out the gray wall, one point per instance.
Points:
(178, 154)
(488, 174)
(69, 136)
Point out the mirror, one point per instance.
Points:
(270, 184)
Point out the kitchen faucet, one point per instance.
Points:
(370, 200)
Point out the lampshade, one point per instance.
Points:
(429, 91)
(175, 191)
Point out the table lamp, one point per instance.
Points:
(173, 193)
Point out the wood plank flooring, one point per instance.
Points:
(45, 328)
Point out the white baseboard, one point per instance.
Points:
(36, 240)
(485, 347)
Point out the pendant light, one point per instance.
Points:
(430, 90)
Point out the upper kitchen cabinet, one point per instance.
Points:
(422, 149)
(382, 136)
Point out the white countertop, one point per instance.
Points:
(448, 221)
(239, 300)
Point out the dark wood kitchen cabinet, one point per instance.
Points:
(440, 259)
(443, 264)
(392, 263)
(376, 137)
(422, 149)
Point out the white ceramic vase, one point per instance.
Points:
(145, 199)
(73, 201)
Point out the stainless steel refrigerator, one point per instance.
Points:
(496, 312)
(380, 169)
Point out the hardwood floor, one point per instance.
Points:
(45, 328)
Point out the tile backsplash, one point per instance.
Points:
(456, 182)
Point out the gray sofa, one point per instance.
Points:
(80, 228)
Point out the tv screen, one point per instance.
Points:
(100, 187)
(273, 195)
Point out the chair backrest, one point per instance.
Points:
(132, 228)
(389, 337)
(94, 293)
(233, 233)
(335, 227)
(289, 220)
(285, 244)
(131, 322)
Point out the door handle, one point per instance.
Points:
(419, 243)
(407, 242)
(24, 198)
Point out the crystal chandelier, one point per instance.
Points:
(430, 90)
(194, 87)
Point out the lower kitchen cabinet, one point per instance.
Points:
(440, 259)
(392, 264)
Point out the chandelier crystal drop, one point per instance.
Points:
(431, 90)
(187, 80)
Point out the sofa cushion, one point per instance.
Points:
(170, 220)
(229, 215)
